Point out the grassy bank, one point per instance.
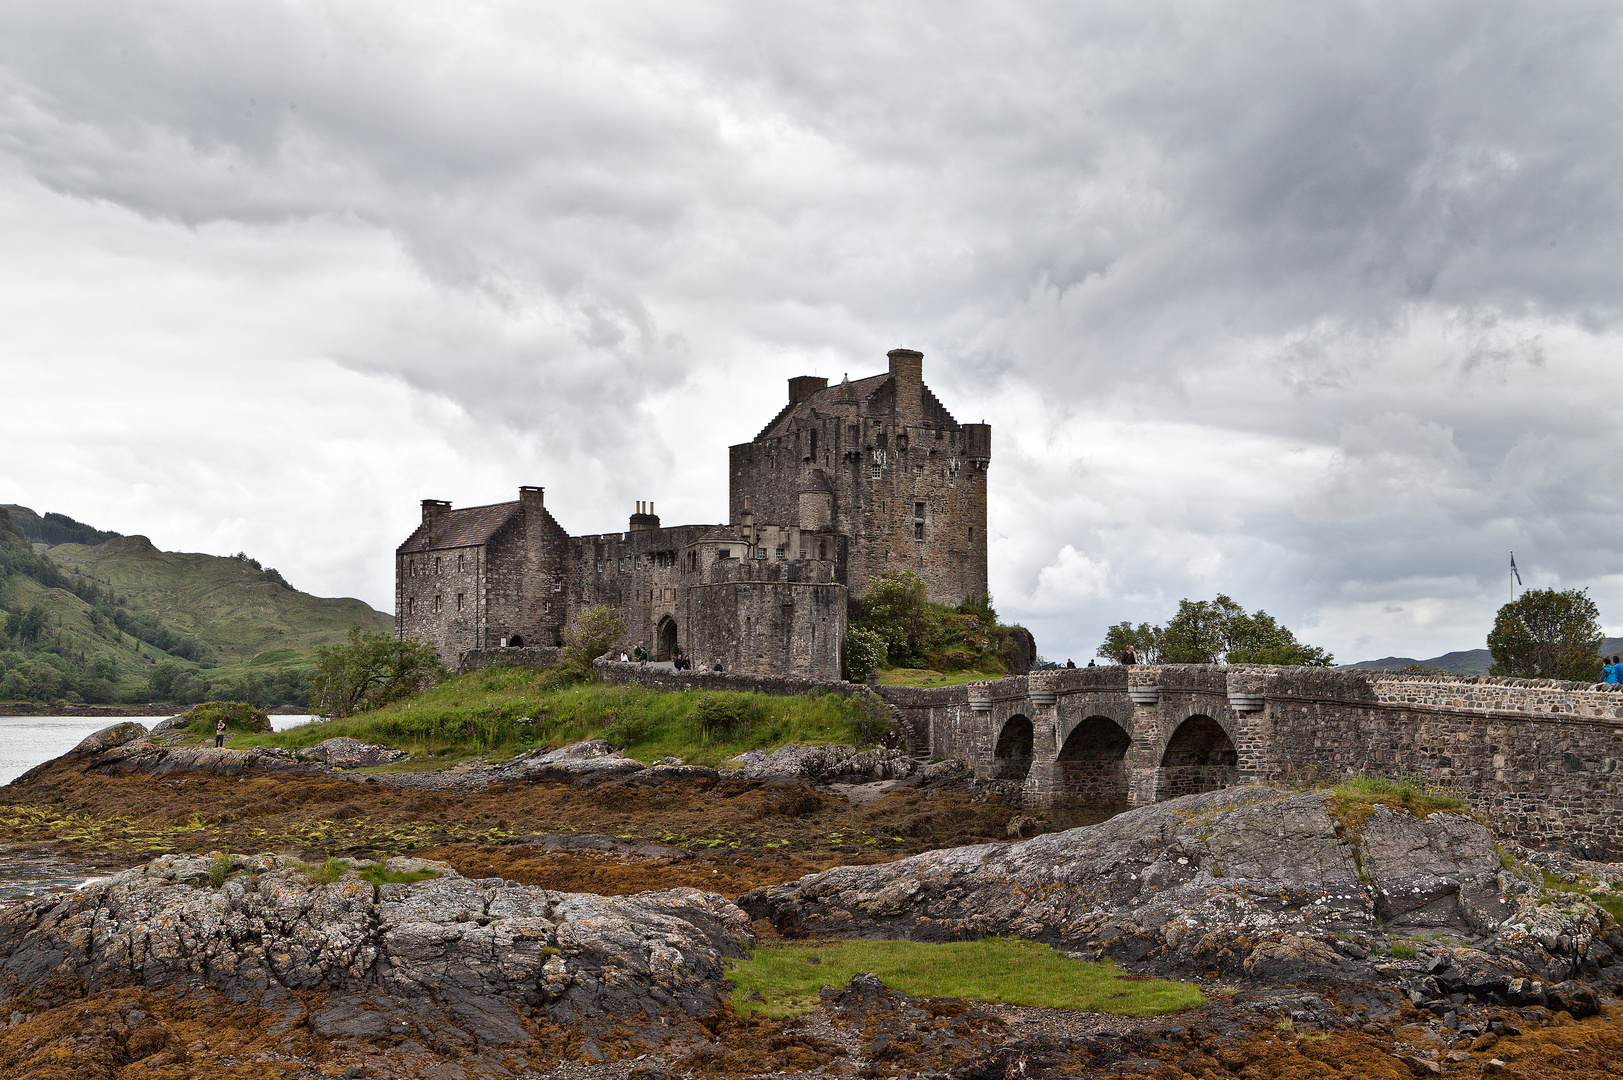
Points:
(787, 977)
(498, 712)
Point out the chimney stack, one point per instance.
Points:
(907, 368)
(802, 387)
(644, 520)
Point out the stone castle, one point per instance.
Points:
(846, 482)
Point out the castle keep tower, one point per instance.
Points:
(846, 482)
(883, 463)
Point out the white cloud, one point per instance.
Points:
(1311, 305)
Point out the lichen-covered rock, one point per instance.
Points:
(108, 738)
(469, 960)
(827, 764)
(343, 752)
(1247, 882)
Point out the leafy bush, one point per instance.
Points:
(240, 717)
(587, 637)
(864, 652)
(723, 712)
(371, 669)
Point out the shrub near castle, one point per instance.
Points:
(899, 629)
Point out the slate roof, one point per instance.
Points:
(461, 528)
(823, 401)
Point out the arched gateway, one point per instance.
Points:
(1093, 767)
(1200, 756)
(1011, 760)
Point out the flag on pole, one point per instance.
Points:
(1513, 569)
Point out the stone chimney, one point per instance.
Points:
(532, 496)
(644, 520)
(432, 509)
(802, 387)
(907, 368)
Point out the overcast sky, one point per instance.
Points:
(1316, 305)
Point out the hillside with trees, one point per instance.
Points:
(101, 618)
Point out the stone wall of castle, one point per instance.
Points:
(884, 463)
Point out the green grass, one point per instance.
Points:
(325, 873)
(1403, 951)
(495, 713)
(1612, 905)
(1005, 970)
(377, 875)
(1358, 795)
(923, 678)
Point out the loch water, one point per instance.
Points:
(26, 741)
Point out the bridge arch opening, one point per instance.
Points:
(665, 639)
(1093, 769)
(1011, 760)
(1200, 756)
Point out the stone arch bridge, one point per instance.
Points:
(1537, 758)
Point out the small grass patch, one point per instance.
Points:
(377, 875)
(1402, 950)
(323, 873)
(1353, 800)
(787, 977)
(925, 678)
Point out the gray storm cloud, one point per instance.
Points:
(1310, 304)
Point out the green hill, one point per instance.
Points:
(121, 621)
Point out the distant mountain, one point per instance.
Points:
(1466, 662)
(110, 618)
(55, 528)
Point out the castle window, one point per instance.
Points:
(760, 553)
(918, 530)
(459, 597)
(436, 564)
(461, 562)
(436, 604)
(410, 604)
(557, 586)
(822, 549)
(780, 553)
(600, 566)
(918, 510)
(724, 553)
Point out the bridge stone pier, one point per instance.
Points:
(1537, 759)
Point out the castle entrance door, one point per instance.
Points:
(665, 639)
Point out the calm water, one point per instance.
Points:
(26, 741)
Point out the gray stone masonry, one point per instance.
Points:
(846, 482)
(1537, 759)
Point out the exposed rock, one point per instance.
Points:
(343, 752)
(109, 738)
(1246, 882)
(462, 960)
(826, 764)
(591, 759)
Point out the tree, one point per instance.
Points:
(589, 636)
(371, 669)
(864, 652)
(1144, 638)
(1213, 632)
(1546, 634)
(896, 608)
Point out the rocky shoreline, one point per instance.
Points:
(1389, 940)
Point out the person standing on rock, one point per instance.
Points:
(1129, 656)
(219, 732)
